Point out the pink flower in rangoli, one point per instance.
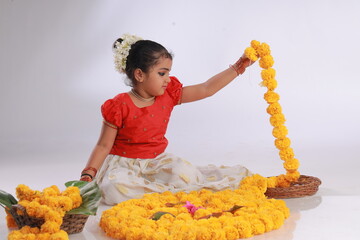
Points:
(191, 207)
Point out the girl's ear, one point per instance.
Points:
(139, 75)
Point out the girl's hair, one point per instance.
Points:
(143, 54)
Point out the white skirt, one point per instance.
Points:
(122, 178)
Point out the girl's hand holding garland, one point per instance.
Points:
(241, 64)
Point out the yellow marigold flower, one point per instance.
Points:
(50, 227)
(292, 176)
(266, 218)
(271, 182)
(202, 233)
(43, 236)
(231, 233)
(53, 216)
(61, 235)
(282, 143)
(266, 62)
(280, 132)
(270, 84)
(257, 226)
(274, 108)
(244, 229)
(282, 181)
(26, 230)
(268, 74)
(255, 44)
(50, 201)
(23, 192)
(51, 191)
(286, 154)
(14, 235)
(65, 203)
(134, 233)
(161, 234)
(277, 119)
(74, 194)
(10, 221)
(271, 97)
(291, 164)
(251, 54)
(256, 180)
(202, 212)
(278, 218)
(263, 50)
(34, 209)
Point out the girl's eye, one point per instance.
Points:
(161, 73)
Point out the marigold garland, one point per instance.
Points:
(51, 205)
(277, 118)
(202, 215)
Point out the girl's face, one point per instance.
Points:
(156, 80)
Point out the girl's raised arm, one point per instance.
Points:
(215, 83)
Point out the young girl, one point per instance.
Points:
(130, 152)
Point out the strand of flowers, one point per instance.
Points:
(228, 214)
(277, 118)
(50, 205)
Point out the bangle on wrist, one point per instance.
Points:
(238, 66)
(88, 175)
(89, 169)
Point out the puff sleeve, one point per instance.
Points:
(111, 113)
(174, 90)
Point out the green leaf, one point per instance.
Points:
(156, 216)
(90, 194)
(6, 199)
(234, 208)
(76, 183)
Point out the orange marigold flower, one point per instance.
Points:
(291, 164)
(271, 97)
(292, 176)
(271, 182)
(274, 108)
(263, 50)
(10, 221)
(282, 143)
(255, 44)
(50, 227)
(276, 119)
(23, 192)
(61, 235)
(251, 54)
(270, 84)
(51, 191)
(268, 74)
(282, 181)
(266, 61)
(231, 232)
(280, 132)
(54, 216)
(286, 154)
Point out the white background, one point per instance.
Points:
(56, 69)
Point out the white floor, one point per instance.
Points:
(333, 213)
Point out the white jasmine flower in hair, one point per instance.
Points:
(121, 51)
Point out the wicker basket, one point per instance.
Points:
(305, 186)
(72, 223)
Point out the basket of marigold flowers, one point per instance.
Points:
(51, 213)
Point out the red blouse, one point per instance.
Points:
(141, 131)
